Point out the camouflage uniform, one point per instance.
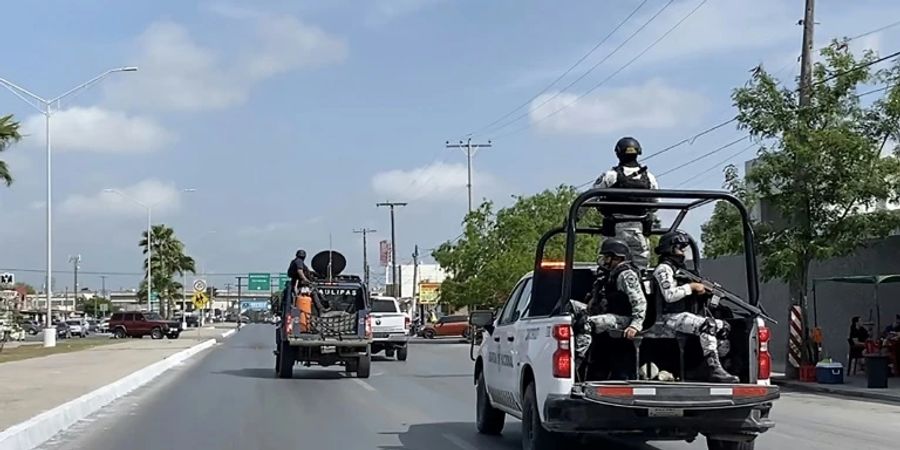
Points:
(705, 328)
(632, 232)
(625, 306)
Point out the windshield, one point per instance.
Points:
(383, 306)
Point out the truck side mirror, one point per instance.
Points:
(482, 319)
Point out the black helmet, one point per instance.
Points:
(615, 247)
(671, 240)
(628, 146)
(301, 254)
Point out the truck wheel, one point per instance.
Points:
(156, 333)
(488, 420)
(388, 352)
(715, 444)
(351, 366)
(401, 353)
(363, 366)
(534, 435)
(285, 364)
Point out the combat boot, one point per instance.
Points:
(717, 373)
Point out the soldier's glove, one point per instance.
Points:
(724, 331)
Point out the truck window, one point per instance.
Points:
(383, 306)
(524, 301)
(506, 317)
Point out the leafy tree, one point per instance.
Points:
(9, 133)
(722, 234)
(826, 166)
(497, 248)
(168, 262)
(29, 289)
(88, 306)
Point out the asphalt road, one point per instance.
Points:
(229, 399)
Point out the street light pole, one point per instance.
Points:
(391, 205)
(45, 107)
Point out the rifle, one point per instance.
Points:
(718, 291)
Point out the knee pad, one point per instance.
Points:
(709, 326)
(724, 331)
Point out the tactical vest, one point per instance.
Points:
(674, 307)
(639, 180)
(617, 301)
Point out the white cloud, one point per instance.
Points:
(95, 129)
(177, 73)
(286, 44)
(386, 10)
(653, 105)
(438, 181)
(162, 197)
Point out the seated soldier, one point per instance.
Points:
(674, 300)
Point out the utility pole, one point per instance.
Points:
(391, 205)
(75, 260)
(415, 294)
(239, 312)
(102, 292)
(364, 231)
(797, 286)
(469, 148)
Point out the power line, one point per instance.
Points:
(616, 72)
(703, 156)
(567, 71)
(890, 25)
(717, 165)
(592, 68)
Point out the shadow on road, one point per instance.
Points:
(269, 373)
(457, 435)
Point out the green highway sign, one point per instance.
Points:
(282, 280)
(258, 282)
(154, 296)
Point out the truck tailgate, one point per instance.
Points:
(388, 323)
(675, 395)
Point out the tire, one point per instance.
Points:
(363, 366)
(534, 435)
(285, 365)
(715, 444)
(488, 420)
(351, 366)
(156, 333)
(428, 334)
(389, 352)
(402, 353)
(120, 333)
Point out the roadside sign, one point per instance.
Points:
(199, 285)
(384, 253)
(429, 293)
(154, 296)
(200, 299)
(258, 282)
(104, 307)
(282, 280)
(7, 280)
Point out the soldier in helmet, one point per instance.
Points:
(629, 223)
(675, 295)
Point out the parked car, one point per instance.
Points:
(31, 327)
(103, 325)
(448, 326)
(78, 327)
(63, 330)
(140, 324)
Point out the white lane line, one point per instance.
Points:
(459, 442)
(365, 385)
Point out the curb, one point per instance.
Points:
(824, 389)
(35, 431)
(228, 333)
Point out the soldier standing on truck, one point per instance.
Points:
(617, 296)
(628, 223)
(675, 304)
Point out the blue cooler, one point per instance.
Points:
(830, 373)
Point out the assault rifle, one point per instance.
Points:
(716, 290)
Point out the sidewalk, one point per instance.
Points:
(854, 386)
(31, 386)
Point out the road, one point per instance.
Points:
(229, 399)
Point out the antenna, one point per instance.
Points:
(330, 250)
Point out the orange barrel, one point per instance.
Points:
(304, 304)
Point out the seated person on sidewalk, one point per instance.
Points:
(675, 296)
(617, 296)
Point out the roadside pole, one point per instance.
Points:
(238, 304)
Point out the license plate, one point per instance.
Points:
(328, 349)
(665, 412)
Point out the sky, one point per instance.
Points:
(256, 128)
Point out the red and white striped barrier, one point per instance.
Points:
(796, 340)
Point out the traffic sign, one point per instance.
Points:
(282, 280)
(258, 282)
(104, 307)
(7, 279)
(200, 299)
(199, 285)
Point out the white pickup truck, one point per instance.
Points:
(525, 366)
(390, 327)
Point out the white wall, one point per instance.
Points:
(427, 272)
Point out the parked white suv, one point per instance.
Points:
(390, 327)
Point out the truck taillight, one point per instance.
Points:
(562, 357)
(765, 359)
(407, 322)
(369, 327)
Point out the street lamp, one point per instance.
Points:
(46, 107)
(149, 209)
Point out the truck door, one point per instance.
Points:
(504, 338)
(513, 345)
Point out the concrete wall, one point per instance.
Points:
(837, 303)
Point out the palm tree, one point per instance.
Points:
(9, 133)
(169, 260)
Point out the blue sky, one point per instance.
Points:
(292, 118)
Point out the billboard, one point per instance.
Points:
(384, 253)
(429, 293)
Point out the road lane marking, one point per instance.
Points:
(459, 442)
(365, 385)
